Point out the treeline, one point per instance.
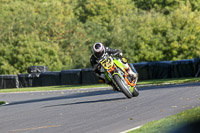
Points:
(59, 33)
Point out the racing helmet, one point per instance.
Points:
(98, 50)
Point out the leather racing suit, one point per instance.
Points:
(100, 70)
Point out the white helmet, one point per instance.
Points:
(98, 50)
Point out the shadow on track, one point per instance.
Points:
(99, 92)
(70, 96)
(85, 102)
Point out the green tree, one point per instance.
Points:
(183, 37)
(59, 34)
(102, 12)
(165, 6)
(25, 51)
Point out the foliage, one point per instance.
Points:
(102, 12)
(2, 102)
(166, 6)
(60, 33)
(152, 36)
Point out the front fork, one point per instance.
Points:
(110, 79)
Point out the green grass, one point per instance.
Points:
(2, 102)
(169, 81)
(170, 123)
(66, 87)
(49, 88)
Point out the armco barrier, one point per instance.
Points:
(89, 77)
(71, 77)
(9, 81)
(50, 78)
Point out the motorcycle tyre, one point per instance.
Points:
(122, 87)
(135, 92)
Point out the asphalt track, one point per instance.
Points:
(93, 110)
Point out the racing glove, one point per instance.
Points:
(120, 53)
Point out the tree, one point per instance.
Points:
(102, 12)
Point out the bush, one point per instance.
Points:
(59, 33)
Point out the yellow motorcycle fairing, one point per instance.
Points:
(107, 63)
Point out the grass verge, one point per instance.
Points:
(66, 87)
(49, 88)
(169, 81)
(170, 123)
(2, 102)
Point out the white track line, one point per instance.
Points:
(131, 129)
(4, 104)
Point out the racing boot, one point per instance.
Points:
(127, 68)
(131, 73)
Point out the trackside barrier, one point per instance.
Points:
(146, 71)
(29, 80)
(37, 69)
(24, 80)
(197, 67)
(50, 78)
(89, 77)
(182, 68)
(142, 69)
(71, 77)
(9, 81)
(159, 70)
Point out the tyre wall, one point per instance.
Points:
(159, 70)
(89, 77)
(183, 68)
(142, 69)
(40, 76)
(71, 77)
(9, 81)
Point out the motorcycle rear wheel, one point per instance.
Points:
(123, 88)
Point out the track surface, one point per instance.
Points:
(93, 110)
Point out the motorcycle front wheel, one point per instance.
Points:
(135, 92)
(121, 85)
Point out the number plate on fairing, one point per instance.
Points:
(107, 63)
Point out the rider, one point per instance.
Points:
(98, 51)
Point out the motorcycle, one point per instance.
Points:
(115, 73)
